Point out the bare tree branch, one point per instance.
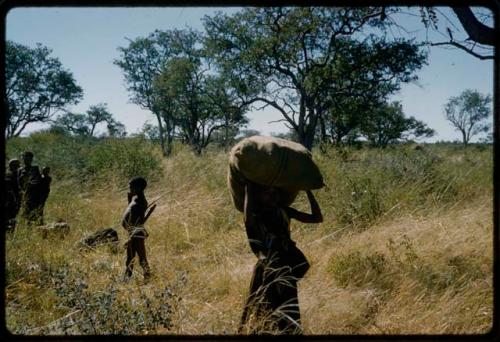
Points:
(466, 49)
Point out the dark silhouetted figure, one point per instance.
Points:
(133, 221)
(29, 178)
(273, 299)
(12, 201)
(44, 190)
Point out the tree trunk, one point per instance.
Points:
(464, 138)
(323, 138)
(309, 134)
(226, 138)
(162, 132)
(169, 135)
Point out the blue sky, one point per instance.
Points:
(86, 40)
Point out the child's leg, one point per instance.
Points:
(129, 263)
(141, 251)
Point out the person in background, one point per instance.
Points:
(12, 200)
(29, 179)
(44, 191)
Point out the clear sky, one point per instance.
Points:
(86, 40)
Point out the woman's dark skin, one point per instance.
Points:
(268, 228)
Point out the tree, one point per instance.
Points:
(224, 99)
(342, 119)
(150, 131)
(467, 113)
(86, 124)
(200, 103)
(143, 60)
(116, 129)
(297, 60)
(72, 123)
(388, 124)
(37, 86)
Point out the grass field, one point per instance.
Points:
(406, 247)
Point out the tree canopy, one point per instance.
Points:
(200, 103)
(143, 60)
(301, 60)
(86, 124)
(387, 123)
(37, 86)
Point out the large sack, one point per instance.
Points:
(272, 162)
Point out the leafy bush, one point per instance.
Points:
(124, 158)
(90, 159)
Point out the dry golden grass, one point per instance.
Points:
(426, 271)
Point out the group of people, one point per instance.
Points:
(272, 302)
(26, 191)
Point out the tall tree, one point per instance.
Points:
(143, 60)
(296, 59)
(342, 120)
(387, 123)
(225, 101)
(468, 112)
(37, 86)
(199, 102)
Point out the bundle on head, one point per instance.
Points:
(274, 162)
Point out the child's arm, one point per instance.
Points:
(315, 217)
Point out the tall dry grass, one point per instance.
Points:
(405, 248)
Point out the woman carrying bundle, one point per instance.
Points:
(273, 301)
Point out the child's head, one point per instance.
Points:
(14, 164)
(137, 185)
(46, 171)
(27, 158)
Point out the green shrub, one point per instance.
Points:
(125, 158)
(88, 160)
